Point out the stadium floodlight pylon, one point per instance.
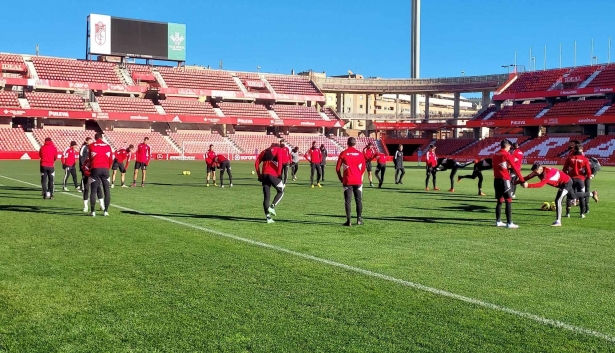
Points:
(225, 148)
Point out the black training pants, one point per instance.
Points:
(349, 191)
(315, 167)
(86, 186)
(284, 173)
(69, 170)
(100, 176)
(269, 181)
(430, 172)
(294, 168)
(47, 176)
(225, 166)
(380, 170)
(588, 182)
(578, 186)
(399, 171)
(322, 172)
(477, 173)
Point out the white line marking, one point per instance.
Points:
(418, 286)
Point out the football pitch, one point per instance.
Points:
(179, 267)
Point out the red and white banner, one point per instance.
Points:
(65, 85)
(589, 91)
(254, 84)
(580, 120)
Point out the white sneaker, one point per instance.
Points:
(48, 195)
(556, 224)
(500, 224)
(106, 214)
(222, 186)
(112, 186)
(92, 214)
(269, 221)
(512, 226)
(271, 211)
(231, 185)
(65, 189)
(582, 216)
(124, 185)
(85, 210)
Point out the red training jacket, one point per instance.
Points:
(369, 154)
(271, 166)
(48, 154)
(209, 157)
(144, 153)
(314, 155)
(220, 158)
(502, 162)
(381, 158)
(517, 158)
(122, 155)
(284, 155)
(69, 157)
(350, 167)
(431, 159)
(549, 176)
(101, 155)
(578, 167)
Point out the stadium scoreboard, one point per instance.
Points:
(136, 38)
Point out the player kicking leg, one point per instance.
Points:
(479, 166)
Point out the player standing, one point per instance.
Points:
(323, 161)
(224, 165)
(284, 159)
(579, 169)
(350, 168)
(381, 168)
(144, 154)
(517, 155)
(431, 161)
(399, 164)
(502, 163)
(210, 155)
(101, 159)
(453, 165)
(479, 167)
(48, 154)
(121, 161)
(370, 154)
(86, 184)
(269, 176)
(294, 166)
(315, 157)
(69, 158)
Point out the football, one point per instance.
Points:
(545, 206)
(553, 207)
(187, 172)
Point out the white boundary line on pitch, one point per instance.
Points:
(418, 286)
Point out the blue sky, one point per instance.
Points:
(372, 38)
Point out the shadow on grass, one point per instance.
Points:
(60, 211)
(432, 220)
(19, 188)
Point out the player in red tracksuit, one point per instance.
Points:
(381, 168)
(559, 180)
(350, 168)
(48, 154)
(224, 164)
(269, 176)
(121, 160)
(101, 159)
(431, 162)
(579, 169)
(502, 164)
(285, 159)
(144, 155)
(369, 152)
(210, 156)
(314, 155)
(69, 158)
(517, 155)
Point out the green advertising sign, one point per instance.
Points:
(177, 41)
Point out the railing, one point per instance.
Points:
(413, 81)
(392, 117)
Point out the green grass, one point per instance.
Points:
(136, 283)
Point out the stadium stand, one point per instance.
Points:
(361, 142)
(600, 147)
(198, 78)
(9, 99)
(296, 112)
(126, 105)
(329, 112)
(141, 73)
(250, 143)
(450, 146)
(206, 138)
(305, 142)
(292, 85)
(14, 140)
(253, 82)
(549, 146)
(576, 108)
(487, 147)
(187, 107)
(39, 100)
(520, 111)
(244, 110)
(13, 66)
(610, 111)
(62, 137)
(578, 75)
(535, 81)
(483, 115)
(76, 70)
(123, 138)
(606, 77)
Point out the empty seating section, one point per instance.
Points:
(296, 112)
(198, 78)
(9, 99)
(62, 137)
(520, 111)
(602, 146)
(14, 140)
(361, 142)
(203, 140)
(484, 114)
(487, 147)
(250, 143)
(39, 100)
(121, 139)
(576, 108)
(549, 146)
(254, 82)
(293, 85)
(610, 111)
(187, 107)
(606, 77)
(126, 105)
(76, 70)
(535, 81)
(578, 75)
(244, 110)
(450, 146)
(305, 142)
(17, 66)
(330, 113)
